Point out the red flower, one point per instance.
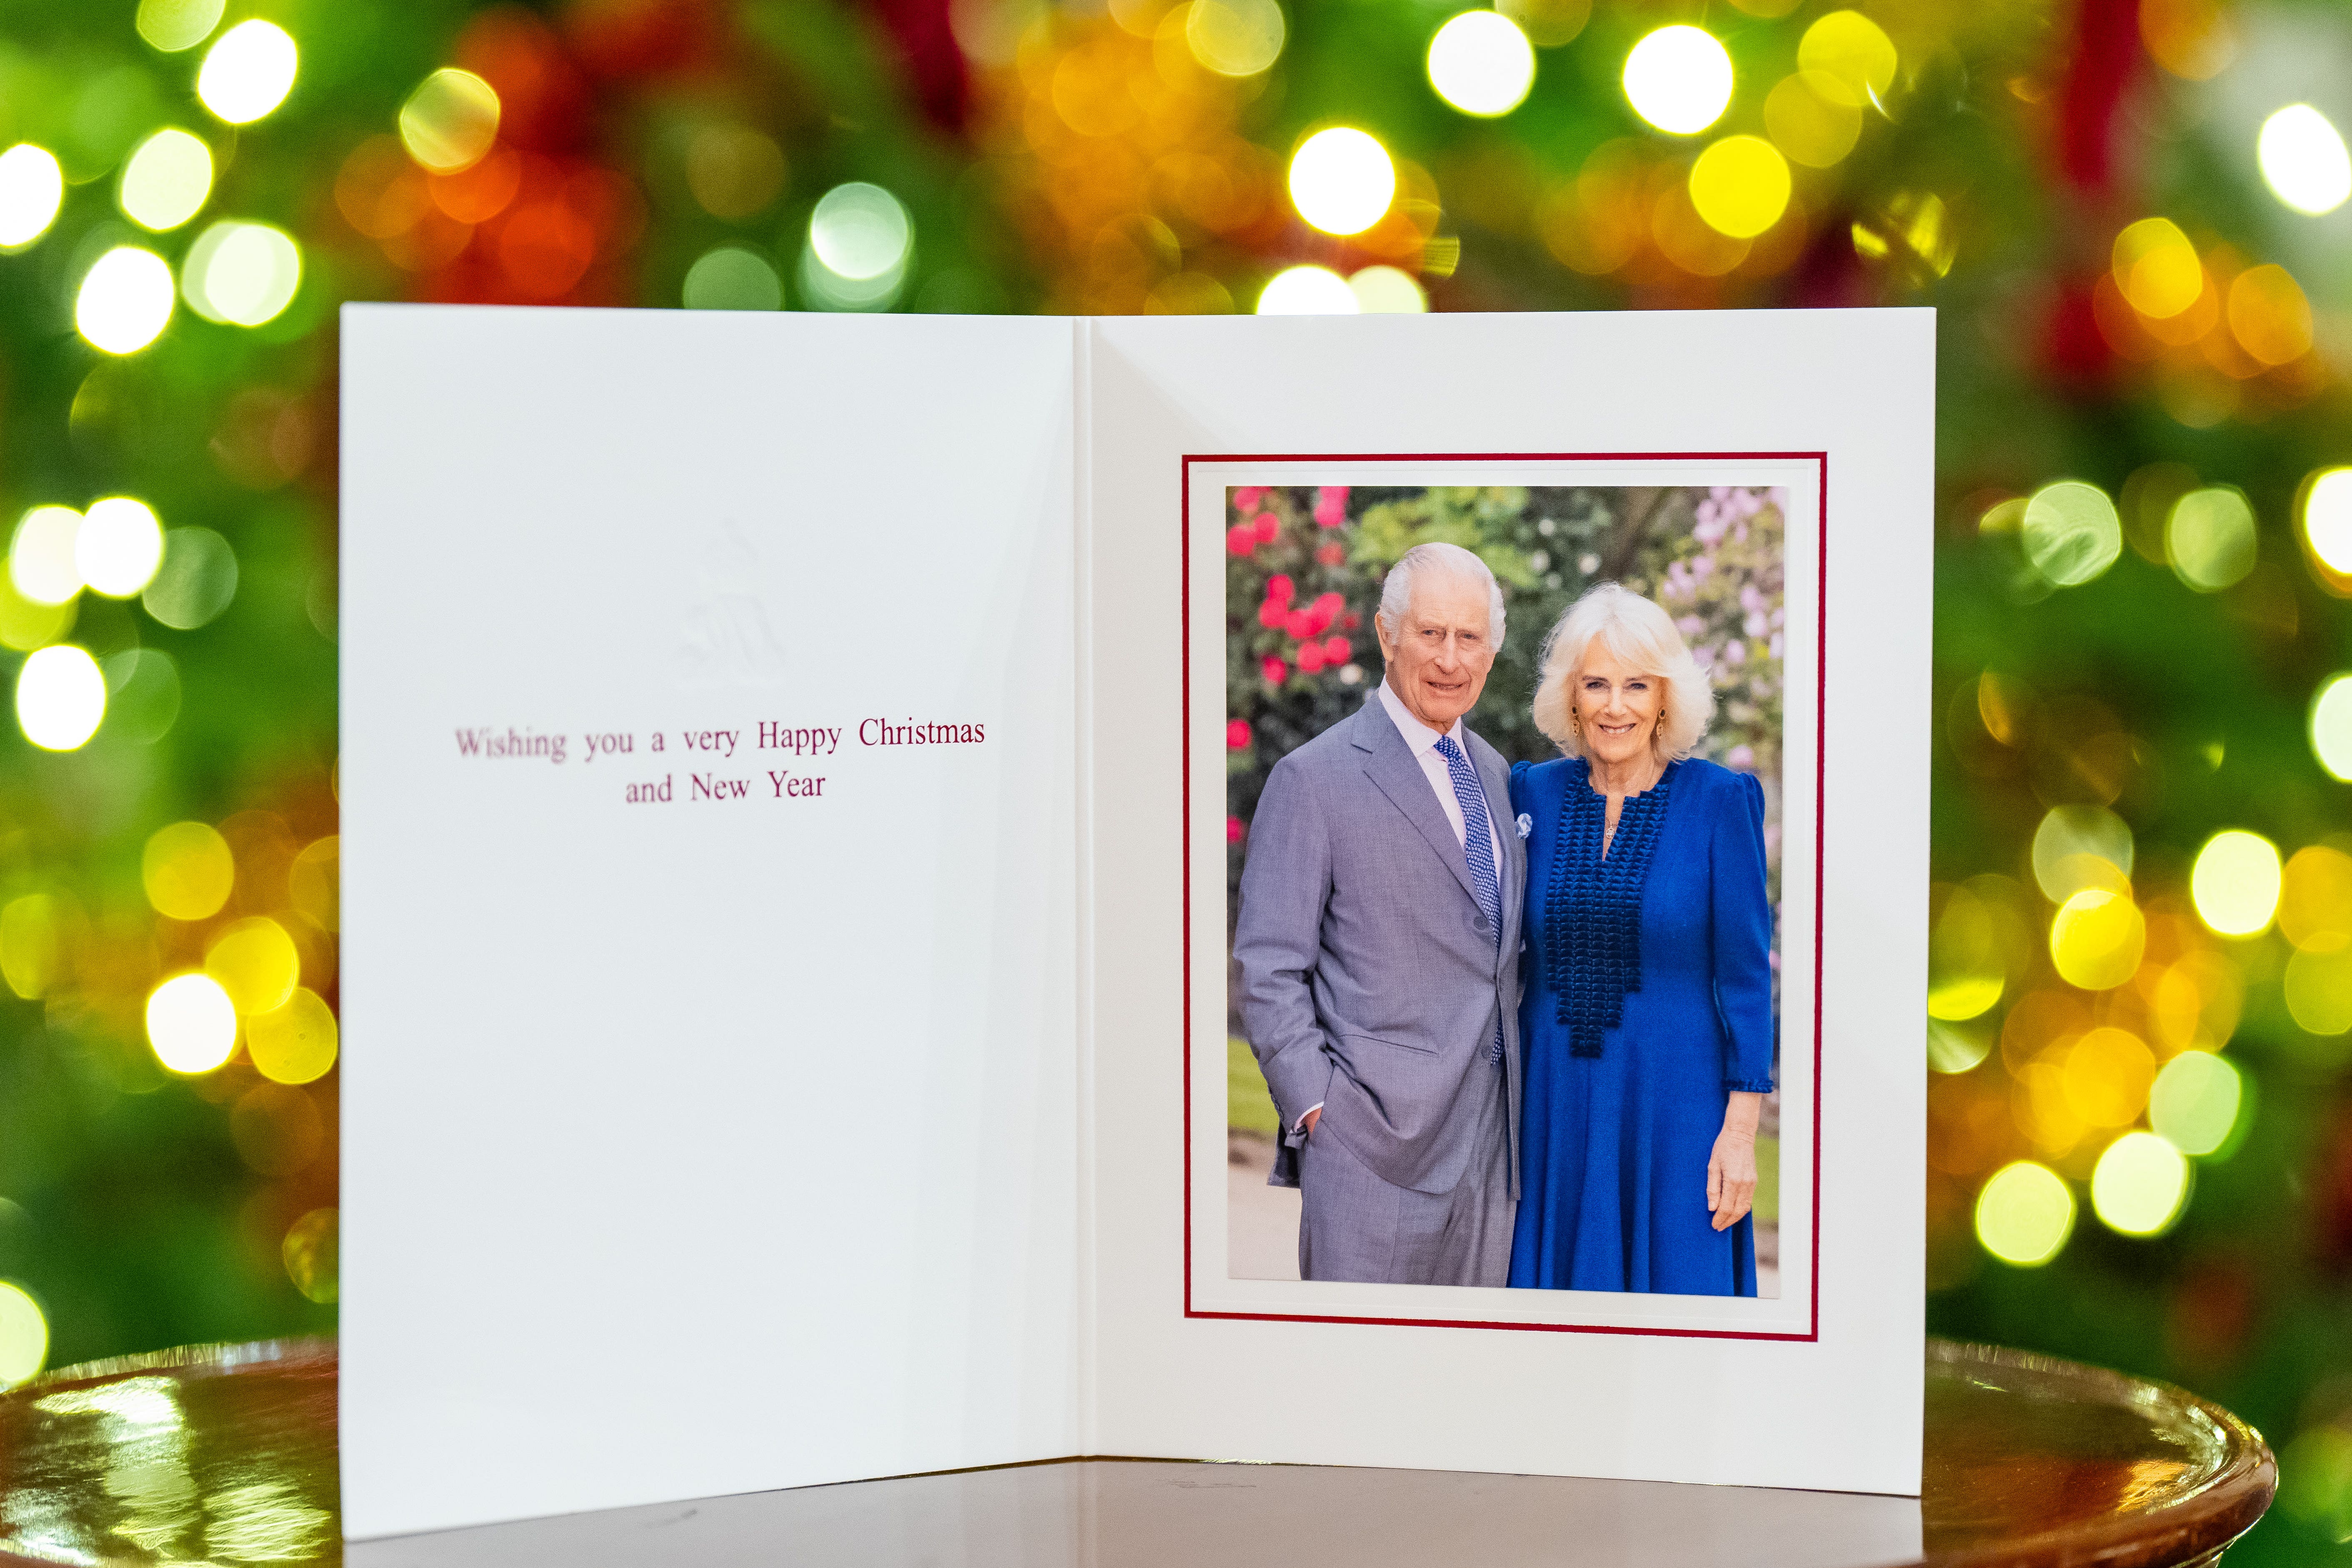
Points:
(1330, 604)
(1351, 621)
(1277, 672)
(1246, 499)
(1329, 516)
(1317, 619)
(1331, 505)
(1268, 525)
(1300, 623)
(1241, 539)
(1271, 613)
(1333, 495)
(1237, 735)
(1331, 554)
(1279, 586)
(1234, 830)
(1336, 649)
(1311, 657)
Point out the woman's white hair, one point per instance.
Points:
(1641, 634)
(1451, 559)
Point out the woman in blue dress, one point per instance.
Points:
(1647, 1013)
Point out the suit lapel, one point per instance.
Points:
(1390, 763)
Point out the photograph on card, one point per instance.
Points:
(1504, 789)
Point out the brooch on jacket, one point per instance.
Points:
(1526, 824)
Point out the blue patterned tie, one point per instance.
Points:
(1478, 847)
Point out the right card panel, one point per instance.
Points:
(1761, 483)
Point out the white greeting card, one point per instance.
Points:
(798, 773)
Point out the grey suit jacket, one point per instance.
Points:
(1370, 981)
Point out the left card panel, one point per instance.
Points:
(709, 1106)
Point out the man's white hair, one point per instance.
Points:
(1449, 560)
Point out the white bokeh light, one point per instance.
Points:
(118, 546)
(60, 697)
(2303, 160)
(125, 299)
(191, 1023)
(241, 274)
(1341, 179)
(1482, 64)
(1387, 291)
(1307, 292)
(32, 187)
(249, 71)
(2327, 519)
(41, 566)
(2331, 727)
(860, 240)
(166, 181)
(1679, 80)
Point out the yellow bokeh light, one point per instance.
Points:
(1307, 292)
(1679, 80)
(241, 274)
(60, 697)
(33, 943)
(314, 882)
(26, 625)
(249, 71)
(2072, 532)
(1547, 23)
(23, 1335)
(41, 564)
(2327, 519)
(312, 1253)
(2106, 1077)
(1851, 57)
(296, 1043)
(1482, 64)
(2195, 1103)
(257, 964)
(1234, 38)
(2318, 990)
(125, 299)
(2315, 898)
(1387, 291)
(2331, 727)
(171, 25)
(2097, 939)
(187, 870)
(450, 120)
(2269, 314)
(2157, 268)
(2303, 160)
(1341, 179)
(2079, 846)
(1810, 122)
(166, 180)
(2139, 1186)
(1740, 186)
(2209, 538)
(1964, 974)
(2025, 1214)
(32, 188)
(117, 547)
(2235, 882)
(191, 1023)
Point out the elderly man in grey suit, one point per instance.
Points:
(1379, 949)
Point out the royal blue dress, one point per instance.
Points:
(1648, 999)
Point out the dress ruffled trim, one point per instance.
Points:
(1593, 925)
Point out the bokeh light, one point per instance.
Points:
(2025, 1214)
(1740, 186)
(860, 238)
(2235, 882)
(187, 870)
(1383, 290)
(125, 300)
(450, 120)
(2331, 726)
(1308, 291)
(2195, 1103)
(312, 1253)
(118, 546)
(257, 964)
(1234, 38)
(732, 277)
(1481, 63)
(314, 882)
(1547, 23)
(2327, 519)
(191, 1023)
(2317, 988)
(241, 274)
(2315, 898)
(2139, 1186)
(1341, 179)
(166, 180)
(1810, 120)
(23, 1335)
(2209, 538)
(2071, 532)
(2157, 268)
(1679, 78)
(2097, 938)
(32, 188)
(171, 25)
(249, 71)
(734, 171)
(1850, 57)
(196, 581)
(41, 564)
(60, 697)
(295, 1043)
(2078, 846)
(2303, 160)
(32, 942)
(1965, 973)
(2269, 315)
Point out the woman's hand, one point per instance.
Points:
(1731, 1169)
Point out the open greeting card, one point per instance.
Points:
(931, 892)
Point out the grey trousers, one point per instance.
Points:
(1353, 1226)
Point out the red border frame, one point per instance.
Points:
(1821, 752)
